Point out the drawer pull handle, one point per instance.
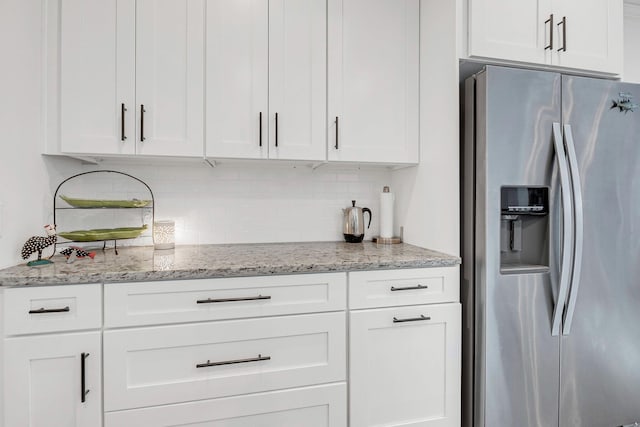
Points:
(233, 362)
(83, 388)
(50, 310)
(409, 288)
(411, 319)
(211, 301)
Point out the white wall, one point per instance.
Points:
(427, 197)
(236, 203)
(23, 179)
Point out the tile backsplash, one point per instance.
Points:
(231, 203)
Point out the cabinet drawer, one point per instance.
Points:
(318, 406)
(137, 304)
(171, 364)
(386, 288)
(52, 309)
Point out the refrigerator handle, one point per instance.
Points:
(567, 229)
(578, 227)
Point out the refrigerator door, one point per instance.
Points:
(516, 357)
(600, 357)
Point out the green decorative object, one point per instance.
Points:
(105, 210)
(92, 203)
(39, 262)
(103, 234)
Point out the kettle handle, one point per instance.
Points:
(365, 210)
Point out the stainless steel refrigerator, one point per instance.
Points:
(551, 250)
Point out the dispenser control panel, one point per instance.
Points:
(524, 200)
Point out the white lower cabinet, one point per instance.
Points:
(317, 406)
(404, 366)
(53, 380)
(245, 352)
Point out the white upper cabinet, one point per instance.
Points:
(237, 59)
(631, 42)
(310, 80)
(97, 76)
(116, 56)
(580, 34)
(509, 29)
(266, 79)
(170, 77)
(297, 79)
(591, 35)
(373, 80)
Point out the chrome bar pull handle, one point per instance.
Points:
(408, 288)
(123, 110)
(578, 227)
(233, 362)
(83, 388)
(567, 238)
(551, 28)
(564, 34)
(142, 111)
(336, 133)
(260, 130)
(411, 319)
(276, 129)
(213, 301)
(50, 310)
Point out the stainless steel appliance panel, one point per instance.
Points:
(467, 288)
(600, 358)
(516, 358)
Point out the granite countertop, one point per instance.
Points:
(143, 263)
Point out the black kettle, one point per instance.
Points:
(353, 223)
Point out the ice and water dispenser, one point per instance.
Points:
(524, 229)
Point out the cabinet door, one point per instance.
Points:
(237, 78)
(170, 77)
(43, 381)
(593, 30)
(298, 79)
(511, 30)
(631, 71)
(405, 368)
(97, 65)
(373, 80)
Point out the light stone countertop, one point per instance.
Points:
(142, 263)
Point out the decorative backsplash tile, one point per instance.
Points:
(243, 203)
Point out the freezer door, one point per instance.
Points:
(516, 356)
(600, 356)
